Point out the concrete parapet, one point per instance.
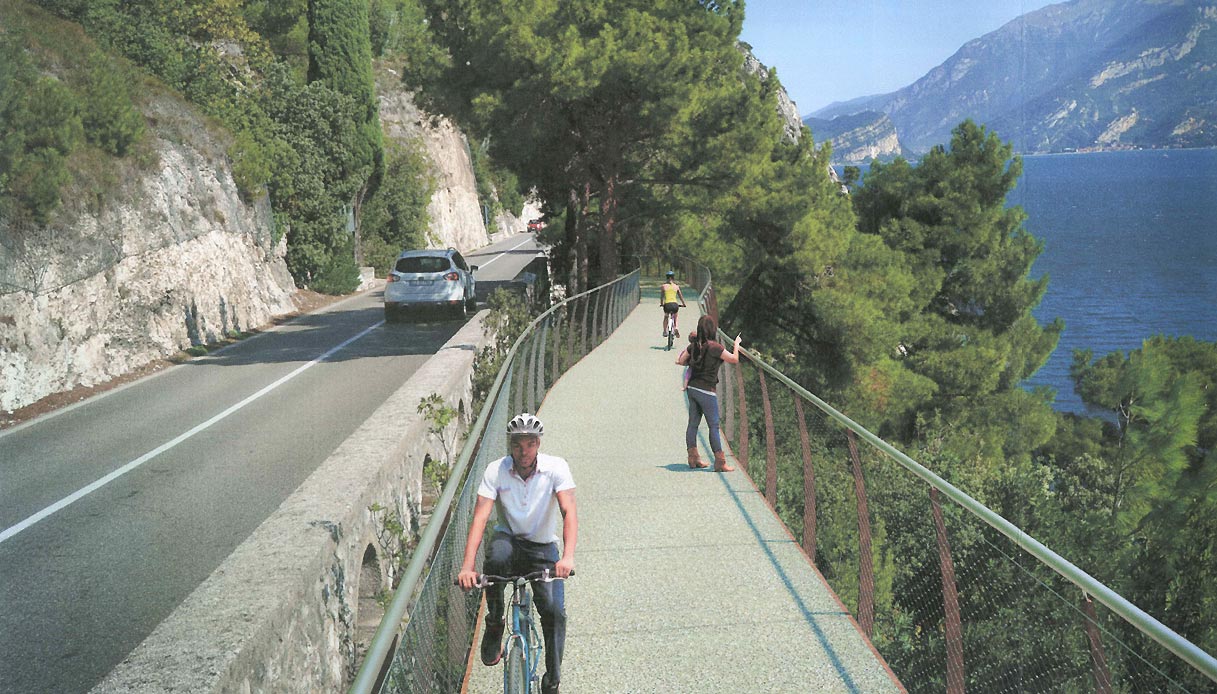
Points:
(283, 611)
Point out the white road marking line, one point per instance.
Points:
(482, 265)
(81, 493)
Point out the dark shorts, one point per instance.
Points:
(671, 307)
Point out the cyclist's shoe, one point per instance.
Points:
(677, 331)
(492, 643)
(546, 687)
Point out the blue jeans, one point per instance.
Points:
(702, 404)
(507, 555)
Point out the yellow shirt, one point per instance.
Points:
(670, 293)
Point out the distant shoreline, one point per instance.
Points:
(1113, 150)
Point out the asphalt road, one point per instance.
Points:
(503, 260)
(113, 511)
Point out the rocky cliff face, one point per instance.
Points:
(456, 214)
(1086, 74)
(786, 108)
(175, 258)
(859, 138)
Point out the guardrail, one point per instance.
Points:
(424, 638)
(964, 599)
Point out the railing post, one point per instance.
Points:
(742, 452)
(530, 367)
(596, 321)
(572, 330)
(556, 359)
(866, 569)
(771, 453)
(728, 400)
(587, 304)
(950, 601)
(809, 484)
(539, 364)
(1098, 660)
(517, 383)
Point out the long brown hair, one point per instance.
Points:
(706, 330)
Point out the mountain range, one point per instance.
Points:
(1076, 76)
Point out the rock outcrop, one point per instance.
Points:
(456, 213)
(174, 258)
(786, 108)
(859, 138)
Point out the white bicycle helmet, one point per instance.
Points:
(525, 423)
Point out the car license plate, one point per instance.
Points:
(420, 283)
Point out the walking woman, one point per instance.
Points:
(703, 357)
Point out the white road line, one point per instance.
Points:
(482, 265)
(82, 493)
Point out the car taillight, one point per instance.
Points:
(452, 276)
(393, 278)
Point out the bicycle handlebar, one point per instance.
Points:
(488, 579)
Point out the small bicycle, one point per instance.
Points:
(523, 641)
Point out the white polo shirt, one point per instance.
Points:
(528, 509)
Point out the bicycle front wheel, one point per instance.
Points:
(515, 670)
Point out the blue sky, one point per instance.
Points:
(835, 50)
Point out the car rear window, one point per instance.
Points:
(423, 264)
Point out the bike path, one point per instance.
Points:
(686, 580)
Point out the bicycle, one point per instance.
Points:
(669, 329)
(523, 641)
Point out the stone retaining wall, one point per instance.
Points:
(285, 612)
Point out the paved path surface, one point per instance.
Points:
(686, 580)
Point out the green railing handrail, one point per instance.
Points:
(382, 641)
(1145, 623)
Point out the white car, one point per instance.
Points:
(430, 279)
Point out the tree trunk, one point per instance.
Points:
(608, 238)
(582, 237)
(573, 286)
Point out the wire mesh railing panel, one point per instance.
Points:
(433, 646)
(950, 602)
(429, 653)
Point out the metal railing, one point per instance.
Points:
(423, 641)
(952, 595)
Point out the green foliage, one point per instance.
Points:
(506, 321)
(602, 106)
(968, 328)
(439, 416)
(338, 274)
(110, 119)
(498, 188)
(1138, 495)
(399, 29)
(395, 216)
(41, 126)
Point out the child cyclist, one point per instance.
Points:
(669, 294)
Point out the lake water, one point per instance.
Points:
(1130, 249)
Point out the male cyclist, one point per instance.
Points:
(669, 294)
(529, 489)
